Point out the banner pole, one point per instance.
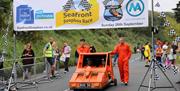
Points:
(152, 34)
(13, 77)
(152, 27)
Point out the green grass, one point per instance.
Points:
(102, 39)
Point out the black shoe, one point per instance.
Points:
(53, 77)
(178, 82)
(126, 84)
(146, 65)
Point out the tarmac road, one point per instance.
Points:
(137, 72)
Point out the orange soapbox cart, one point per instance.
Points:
(94, 71)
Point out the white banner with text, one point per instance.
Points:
(79, 14)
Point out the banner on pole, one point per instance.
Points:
(79, 14)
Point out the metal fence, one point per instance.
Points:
(39, 71)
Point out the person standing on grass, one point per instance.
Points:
(67, 53)
(124, 52)
(27, 60)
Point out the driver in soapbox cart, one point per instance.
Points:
(94, 71)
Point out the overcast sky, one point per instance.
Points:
(165, 5)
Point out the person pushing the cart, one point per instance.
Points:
(124, 52)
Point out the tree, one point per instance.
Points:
(4, 12)
(177, 12)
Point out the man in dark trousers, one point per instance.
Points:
(48, 54)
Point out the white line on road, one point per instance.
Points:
(136, 59)
(68, 89)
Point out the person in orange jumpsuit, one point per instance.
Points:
(124, 52)
(83, 47)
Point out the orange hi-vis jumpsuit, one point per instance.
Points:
(83, 49)
(124, 53)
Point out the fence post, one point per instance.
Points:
(35, 66)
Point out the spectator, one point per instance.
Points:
(76, 57)
(56, 57)
(48, 54)
(164, 55)
(158, 54)
(92, 49)
(142, 53)
(174, 48)
(147, 53)
(179, 57)
(28, 60)
(138, 48)
(67, 53)
(159, 42)
(135, 49)
(170, 57)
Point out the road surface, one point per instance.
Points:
(137, 71)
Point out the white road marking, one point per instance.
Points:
(135, 59)
(68, 89)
